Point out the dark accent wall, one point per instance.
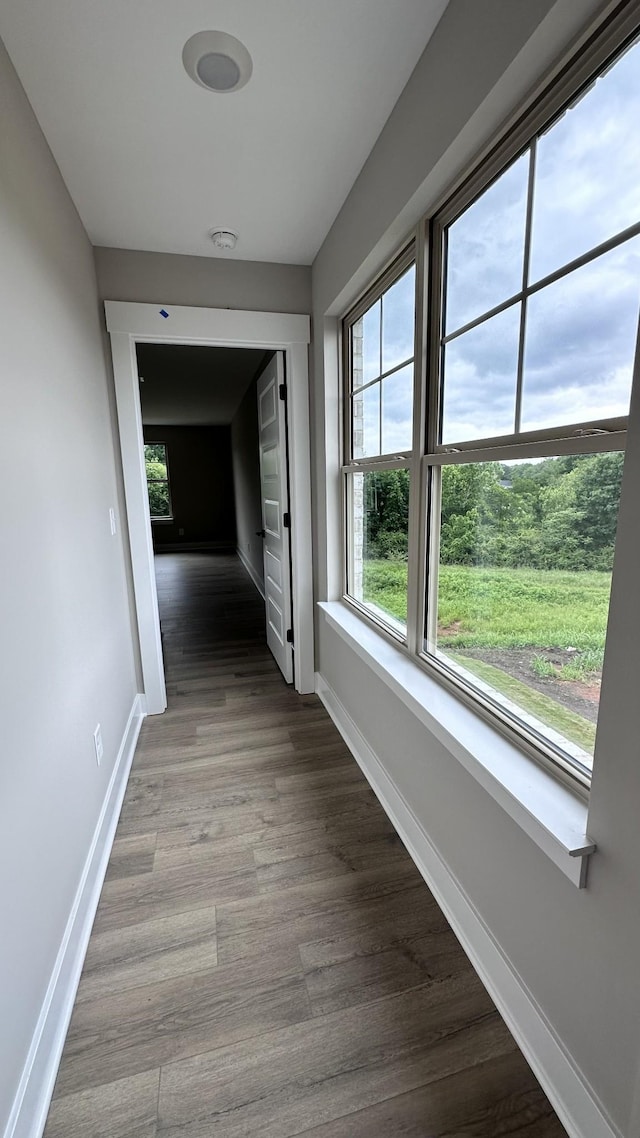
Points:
(201, 480)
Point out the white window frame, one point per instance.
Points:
(428, 456)
(378, 463)
(164, 519)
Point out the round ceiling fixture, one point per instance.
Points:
(217, 61)
(223, 238)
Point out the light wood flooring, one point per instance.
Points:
(266, 960)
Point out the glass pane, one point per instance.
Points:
(580, 342)
(480, 377)
(155, 457)
(159, 504)
(526, 551)
(379, 528)
(397, 410)
(587, 183)
(365, 346)
(366, 422)
(398, 319)
(485, 248)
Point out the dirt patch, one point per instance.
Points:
(579, 697)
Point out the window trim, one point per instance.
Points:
(564, 85)
(160, 519)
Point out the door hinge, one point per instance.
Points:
(282, 391)
(286, 520)
(289, 636)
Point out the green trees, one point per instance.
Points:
(155, 461)
(386, 508)
(560, 513)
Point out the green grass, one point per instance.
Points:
(554, 714)
(505, 608)
(385, 585)
(513, 608)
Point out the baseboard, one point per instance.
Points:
(574, 1101)
(193, 547)
(251, 571)
(31, 1104)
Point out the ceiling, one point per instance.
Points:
(187, 386)
(153, 161)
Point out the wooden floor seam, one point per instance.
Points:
(266, 960)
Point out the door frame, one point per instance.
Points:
(131, 323)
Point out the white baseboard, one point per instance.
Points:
(251, 571)
(574, 1101)
(31, 1104)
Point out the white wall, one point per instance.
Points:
(202, 282)
(246, 482)
(576, 952)
(66, 660)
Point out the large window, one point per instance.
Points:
(486, 542)
(155, 460)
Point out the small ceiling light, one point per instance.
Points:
(223, 238)
(217, 61)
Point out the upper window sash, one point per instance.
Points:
(521, 308)
(376, 368)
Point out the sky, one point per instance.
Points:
(388, 334)
(580, 331)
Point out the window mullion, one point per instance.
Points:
(525, 280)
(416, 544)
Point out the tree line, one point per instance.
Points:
(560, 513)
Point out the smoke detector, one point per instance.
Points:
(217, 61)
(223, 238)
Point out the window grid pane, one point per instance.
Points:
(381, 347)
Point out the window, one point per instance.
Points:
(486, 547)
(155, 460)
(379, 444)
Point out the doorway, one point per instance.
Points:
(130, 324)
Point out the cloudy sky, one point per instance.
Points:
(388, 331)
(581, 331)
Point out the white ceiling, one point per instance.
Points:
(154, 161)
(185, 386)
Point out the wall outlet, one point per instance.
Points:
(112, 520)
(180, 532)
(97, 742)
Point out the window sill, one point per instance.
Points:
(162, 521)
(553, 817)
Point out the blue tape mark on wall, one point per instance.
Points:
(163, 312)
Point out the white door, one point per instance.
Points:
(275, 516)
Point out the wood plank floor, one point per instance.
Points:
(266, 960)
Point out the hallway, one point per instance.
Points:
(266, 960)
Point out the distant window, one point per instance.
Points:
(155, 460)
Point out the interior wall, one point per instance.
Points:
(574, 952)
(66, 658)
(202, 282)
(201, 483)
(246, 480)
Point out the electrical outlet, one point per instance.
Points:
(112, 520)
(97, 742)
(181, 532)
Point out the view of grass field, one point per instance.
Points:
(508, 608)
